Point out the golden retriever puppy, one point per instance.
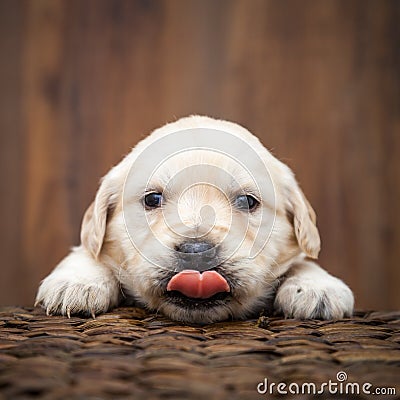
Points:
(201, 223)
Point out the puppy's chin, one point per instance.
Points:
(219, 308)
(202, 314)
(176, 306)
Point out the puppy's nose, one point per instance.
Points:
(198, 256)
(194, 247)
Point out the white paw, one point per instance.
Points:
(78, 286)
(323, 298)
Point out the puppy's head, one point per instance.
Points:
(199, 220)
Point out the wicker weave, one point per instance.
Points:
(129, 353)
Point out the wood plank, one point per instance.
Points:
(11, 153)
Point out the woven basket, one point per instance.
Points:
(130, 353)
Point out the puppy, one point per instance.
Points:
(201, 223)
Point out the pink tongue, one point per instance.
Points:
(196, 285)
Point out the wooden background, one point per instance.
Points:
(81, 81)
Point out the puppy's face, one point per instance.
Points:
(199, 220)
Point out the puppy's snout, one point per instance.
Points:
(199, 256)
(195, 247)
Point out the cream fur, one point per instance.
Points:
(127, 252)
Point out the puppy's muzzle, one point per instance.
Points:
(197, 256)
(196, 278)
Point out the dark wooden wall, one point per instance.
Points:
(82, 80)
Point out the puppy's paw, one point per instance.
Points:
(327, 298)
(60, 297)
(78, 286)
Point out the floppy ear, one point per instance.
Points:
(304, 221)
(94, 221)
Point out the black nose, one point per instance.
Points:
(199, 256)
(194, 247)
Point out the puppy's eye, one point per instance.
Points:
(244, 202)
(153, 200)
